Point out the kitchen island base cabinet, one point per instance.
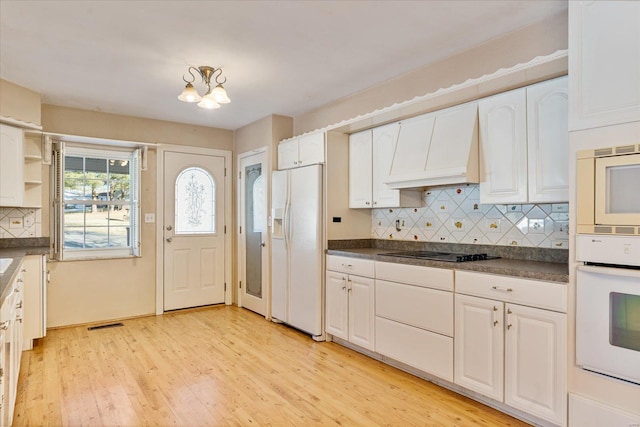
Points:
(421, 349)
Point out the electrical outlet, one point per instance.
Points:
(150, 217)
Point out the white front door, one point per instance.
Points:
(193, 230)
(252, 254)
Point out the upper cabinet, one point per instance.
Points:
(302, 151)
(11, 166)
(370, 155)
(604, 63)
(524, 145)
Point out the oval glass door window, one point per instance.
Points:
(195, 202)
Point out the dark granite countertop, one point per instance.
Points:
(525, 268)
(18, 249)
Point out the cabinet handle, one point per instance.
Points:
(493, 314)
(499, 289)
(349, 287)
(508, 313)
(375, 203)
(344, 283)
(19, 319)
(4, 325)
(347, 265)
(367, 203)
(19, 305)
(19, 281)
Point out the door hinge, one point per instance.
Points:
(240, 229)
(240, 175)
(240, 284)
(225, 171)
(225, 229)
(225, 286)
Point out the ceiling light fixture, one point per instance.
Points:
(214, 97)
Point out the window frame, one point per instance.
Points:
(98, 151)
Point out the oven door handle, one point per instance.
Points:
(610, 271)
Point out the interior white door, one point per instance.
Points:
(253, 232)
(194, 250)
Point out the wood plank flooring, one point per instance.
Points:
(223, 366)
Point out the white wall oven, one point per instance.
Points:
(608, 306)
(608, 197)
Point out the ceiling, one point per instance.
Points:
(279, 57)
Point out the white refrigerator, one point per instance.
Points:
(297, 248)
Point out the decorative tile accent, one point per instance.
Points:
(453, 214)
(20, 223)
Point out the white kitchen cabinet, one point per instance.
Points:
(604, 63)
(524, 145)
(35, 297)
(479, 345)
(11, 166)
(301, 151)
(548, 141)
(514, 353)
(360, 170)
(414, 316)
(350, 300)
(370, 155)
(535, 362)
(11, 325)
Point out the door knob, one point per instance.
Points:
(169, 228)
(263, 244)
(169, 239)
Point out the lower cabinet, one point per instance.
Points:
(350, 301)
(512, 353)
(350, 308)
(11, 329)
(414, 317)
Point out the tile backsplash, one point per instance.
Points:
(454, 214)
(20, 223)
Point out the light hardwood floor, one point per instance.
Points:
(223, 366)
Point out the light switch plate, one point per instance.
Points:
(149, 217)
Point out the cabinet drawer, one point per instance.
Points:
(438, 278)
(420, 307)
(424, 350)
(357, 266)
(534, 293)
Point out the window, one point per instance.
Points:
(96, 202)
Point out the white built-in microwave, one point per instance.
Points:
(608, 191)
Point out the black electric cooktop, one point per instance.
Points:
(441, 256)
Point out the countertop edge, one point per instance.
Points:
(18, 255)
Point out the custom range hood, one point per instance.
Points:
(439, 148)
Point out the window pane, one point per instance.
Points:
(625, 320)
(74, 237)
(97, 202)
(194, 202)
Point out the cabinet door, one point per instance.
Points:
(385, 139)
(478, 345)
(360, 174)
(288, 154)
(535, 362)
(311, 149)
(548, 141)
(604, 59)
(337, 306)
(503, 148)
(361, 311)
(11, 166)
